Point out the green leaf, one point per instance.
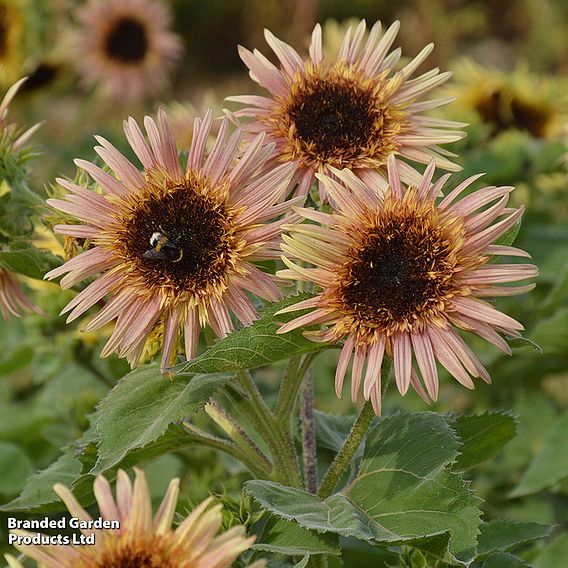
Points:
(505, 560)
(552, 333)
(257, 344)
(550, 465)
(403, 493)
(284, 537)
(15, 468)
(38, 494)
(558, 294)
(142, 406)
(504, 535)
(483, 436)
(509, 236)
(72, 469)
(26, 259)
(523, 343)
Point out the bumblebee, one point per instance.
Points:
(163, 248)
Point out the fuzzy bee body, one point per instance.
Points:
(163, 248)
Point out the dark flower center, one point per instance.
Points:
(149, 555)
(503, 111)
(181, 240)
(41, 76)
(127, 41)
(401, 269)
(335, 119)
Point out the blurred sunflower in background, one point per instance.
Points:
(501, 101)
(125, 46)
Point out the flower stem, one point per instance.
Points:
(220, 416)
(198, 436)
(278, 440)
(290, 387)
(353, 440)
(308, 434)
(346, 453)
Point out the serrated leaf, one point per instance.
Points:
(510, 235)
(550, 465)
(73, 467)
(142, 406)
(24, 258)
(257, 344)
(503, 535)
(403, 493)
(483, 436)
(284, 537)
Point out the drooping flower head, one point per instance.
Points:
(12, 299)
(349, 113)
(141, 540)
(12, 141)
(173, 248)
(125, 45)
(12, 138)
(399, 273)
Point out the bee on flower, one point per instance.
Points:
(174, 248)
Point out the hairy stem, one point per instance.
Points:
(346, 453)
(308, 434)
(291, 383)
(353, 441)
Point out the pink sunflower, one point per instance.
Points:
(125, 45)
(173, 248)
(399, 274)
(352, 112)
(140, 540)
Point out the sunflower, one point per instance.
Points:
(351, 112)
(173, 248)
(141, 540)
(125, 45)
(504, 101)
(399, 274)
